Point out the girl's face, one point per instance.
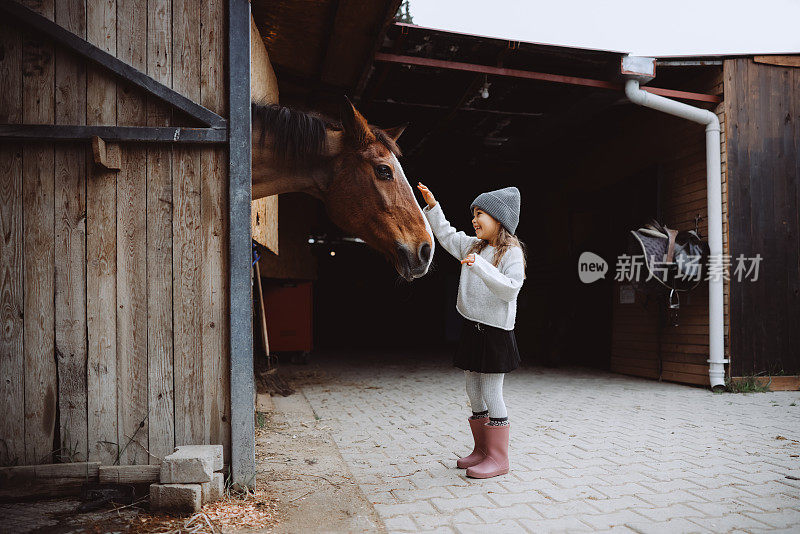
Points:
(486, 226)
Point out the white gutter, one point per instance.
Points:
(716, 339)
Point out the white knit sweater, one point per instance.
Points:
(486, 294)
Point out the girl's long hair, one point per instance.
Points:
(505, 240)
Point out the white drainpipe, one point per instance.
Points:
(716, 339)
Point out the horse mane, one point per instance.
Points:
(300, 136)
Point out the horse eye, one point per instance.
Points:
(384, 172)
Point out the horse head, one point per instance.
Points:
(370, 196)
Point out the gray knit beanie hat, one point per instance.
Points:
(502, 204)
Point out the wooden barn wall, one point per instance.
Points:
(763, 108)
(113, 286)
(297, 213)
(640, 141)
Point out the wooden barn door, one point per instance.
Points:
(113, 284)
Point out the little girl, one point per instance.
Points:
(492, 273)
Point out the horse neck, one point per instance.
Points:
(270, 177)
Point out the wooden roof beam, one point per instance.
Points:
(541, 76)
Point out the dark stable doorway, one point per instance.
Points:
(600, 221)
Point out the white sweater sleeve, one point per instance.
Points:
(506, 284)
(456, 243)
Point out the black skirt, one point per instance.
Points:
(486, 349)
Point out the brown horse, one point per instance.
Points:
(353, 168)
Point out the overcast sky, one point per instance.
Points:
(646, 28)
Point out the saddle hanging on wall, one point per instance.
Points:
(673, 261)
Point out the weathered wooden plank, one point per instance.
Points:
(101, 87)
(190, 422)
(729, 66)
(264, 217)
(12, 362)
(190, 417)
(778, 383)
(784, 61)
(161, 399)
(782, 240)
(70, 242)
(10, 75)
(760, 174)
(791, 147)
(129, 474)
(40, 370)
(48, 480)
(214, 165)
(101, 249)
(744, 232)
(70, 299)
(84, 470)
(132, 368)
(159, 304)
(215, 296)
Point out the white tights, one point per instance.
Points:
(485, 391)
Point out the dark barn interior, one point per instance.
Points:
(590, 166)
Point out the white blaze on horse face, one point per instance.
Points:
(398, 169)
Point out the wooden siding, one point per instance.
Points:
(639, 346)
(763, 109)
(644, 144)
(113, 285)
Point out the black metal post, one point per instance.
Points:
(243, 460)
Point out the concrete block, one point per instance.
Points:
(215, 451)
(217, 487)
(214, 490)
(191, 464)
(176, 497)
(205, 491)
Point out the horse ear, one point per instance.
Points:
(355, 125)
(396, 132)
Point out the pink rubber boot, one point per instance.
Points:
(496, 461)
(479, 451)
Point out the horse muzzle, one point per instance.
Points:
(411, 264)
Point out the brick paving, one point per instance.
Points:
(590, 451)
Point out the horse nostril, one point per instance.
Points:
(425, 252)
(404, 254)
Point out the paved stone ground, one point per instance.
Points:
(590, 451)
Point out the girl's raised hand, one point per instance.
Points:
(469, 259)
(426, 194)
